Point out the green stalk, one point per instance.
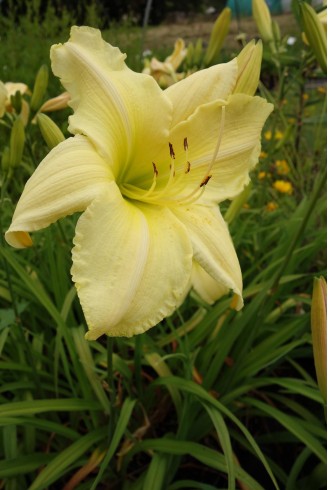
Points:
(110, 379)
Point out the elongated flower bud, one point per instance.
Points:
(218, 35)
(56, 103)
(51, 133)
(5, 159)
(319, 332)
(315, 33)
(190, 55)
(198, 52)
(17, 142)
(262, 17)
(249, 68)
(3, 98)
(40, 87)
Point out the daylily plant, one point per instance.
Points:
(148, 168)
(165, 72)
(9, 89)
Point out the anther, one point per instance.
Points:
(185, 144)
(155, 169)
(188, 168)
(205, 180)
(172, 154)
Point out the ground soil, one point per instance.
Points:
(193, 28)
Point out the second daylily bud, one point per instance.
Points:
(16, 101)
(218, 35)
(56, 103)
(5, 160)
(40, 87)
(198, 52)
(319, 332)
(51, 133)
(262, 17)
(3, 98)
(315, 33)
(249, 68)
(17, 142)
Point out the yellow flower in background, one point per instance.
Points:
(282, 167)
(262, 175)
(271, 206)
(278, 135)
(9, 89)
(147, 168)
(268, 135)
(263, 155)
(322, 90)
(165, 73)
(283, 186)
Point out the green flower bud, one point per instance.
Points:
(40, 87)
(17, 142)
(5, 160)
(319, 332)
(51, 133)
(262, 17)
(249, 68)
(315, 34)
(190, 55)
(16, 101)
(218, 35)
(198, 52)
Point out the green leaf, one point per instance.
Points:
(292, 424)
(56, 405)
(121, 425)
(59, 464)
(200, 393)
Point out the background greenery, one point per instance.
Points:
(210, 398)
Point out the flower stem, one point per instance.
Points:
(110, 379)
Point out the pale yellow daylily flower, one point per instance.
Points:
(9, 89)
(165, 73)
(148, 168)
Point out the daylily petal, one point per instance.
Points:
(67, 180)
(205, 286)
(239, 148)
(216, 82)
(13, 87)
(131, 265)
(213, 247)
(125, 114)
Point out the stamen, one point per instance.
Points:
(185, 144)
(216, 151)
(172, 154)
(205, 180)
(155, 169)
(188, 168)
(153, 185)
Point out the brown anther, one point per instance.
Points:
(185, 144)
(172, 154)
(155, 169)
(188, 168)
(204, 182)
